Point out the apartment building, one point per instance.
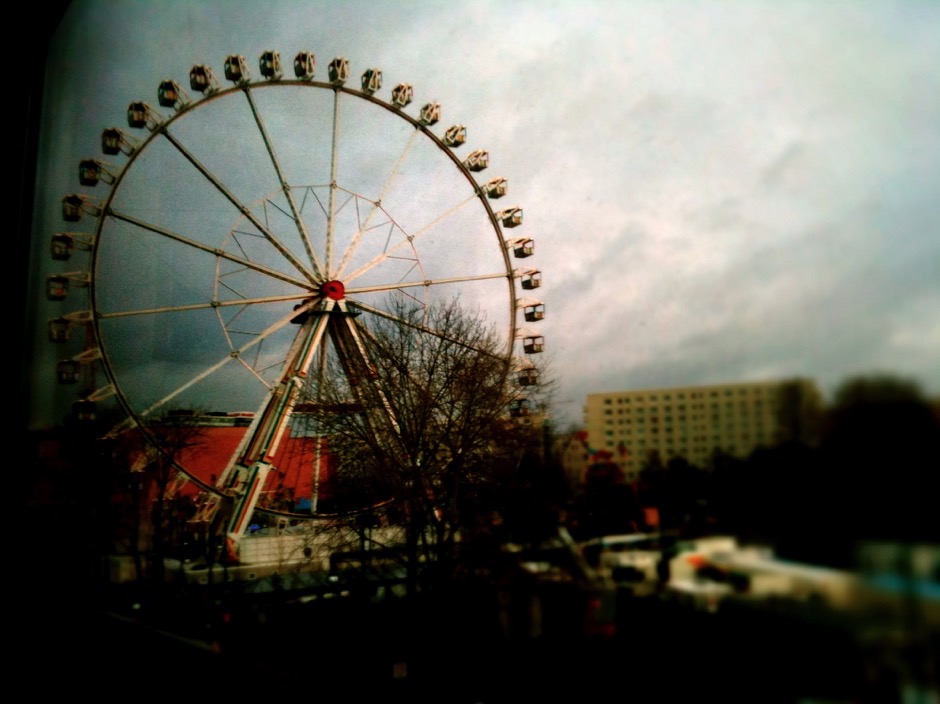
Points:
(696, 421)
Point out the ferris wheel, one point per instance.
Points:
(244, 229)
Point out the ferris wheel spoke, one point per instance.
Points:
(301, 226)
(408, 241)
(428, 282)
(376, 206)
(400, 320)
(247, 263)
(235, 354)
(331, 208)
(243, 209)
(348, 341)
(203, 306)
(195, 380)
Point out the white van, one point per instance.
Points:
(630, 560)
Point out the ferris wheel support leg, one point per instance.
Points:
(364, 363)
(248, 470)
(244, 507)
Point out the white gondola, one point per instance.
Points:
(510, 217)
(68, 371)
(496, 188)
(114, 141)
(454, 136)
(90, 171)
(305, 65)
(74, 204)
(236, 69)
(533, 311)
(72, 208)
(111, 139)
(84, 410)
(522, 247)
(63, 243)
(531, 279)
(371, 81)
(61, 246)
(59, 329)
(57, 287)
(339, 70)
(430, 114)
(171, 95)
(141, 116)
(533, 344)
(203, 80)
(270, 65)
(402, 95)
(477, 160)
(527, 377)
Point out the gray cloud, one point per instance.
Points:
(717, 192)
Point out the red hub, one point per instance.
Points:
(334, 290)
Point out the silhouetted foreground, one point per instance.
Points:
(457, 650)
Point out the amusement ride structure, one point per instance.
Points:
(244, 232)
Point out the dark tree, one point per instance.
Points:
(799, 413)
(433, 440)
(148, 518)
(680, 491)
(881, 448)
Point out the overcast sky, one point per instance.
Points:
(718, 191)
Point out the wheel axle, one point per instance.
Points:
(334, 290)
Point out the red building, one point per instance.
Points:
(301, 466)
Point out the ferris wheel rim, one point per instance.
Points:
(108, 212)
